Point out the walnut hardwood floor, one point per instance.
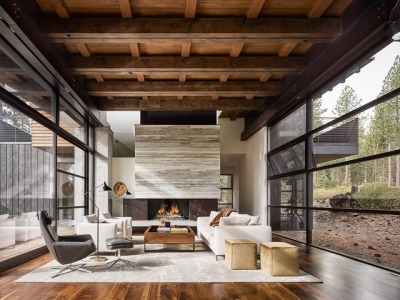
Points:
(343, 278)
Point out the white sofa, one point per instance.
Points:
(111, 229)
(107, 216)
(215, 237)
(7, 231)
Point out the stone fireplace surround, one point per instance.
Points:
(146, 208)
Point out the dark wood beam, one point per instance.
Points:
(127, 65)
(189, 88)
(168, 104)
(178, 30)
(365, 33)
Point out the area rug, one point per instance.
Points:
(164, 263)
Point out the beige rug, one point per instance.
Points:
(166, 263)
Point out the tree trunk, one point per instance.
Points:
(398, 169)
(389, 181)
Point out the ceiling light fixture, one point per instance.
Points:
(393, 24)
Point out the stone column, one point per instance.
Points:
(102, 165)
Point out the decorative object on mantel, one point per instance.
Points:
(67, 188)
(120, 188)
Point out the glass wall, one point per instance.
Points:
(352, 173)
(43, 165)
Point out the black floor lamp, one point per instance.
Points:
(105, 187)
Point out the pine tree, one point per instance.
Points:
(318, 111)
(347, 102)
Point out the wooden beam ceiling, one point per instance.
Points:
(187, 55)
(202, 30)
(125, 65)
(190, 88)
(173, 104)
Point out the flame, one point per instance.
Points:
(174, 210)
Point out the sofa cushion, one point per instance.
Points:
(234, 221)
(105, 215)
(90, 218)
(223, 213)
(253, 219)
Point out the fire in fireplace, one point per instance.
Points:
(169, 210)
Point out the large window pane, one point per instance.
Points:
(372, 132)
(371, 237)
(289, 128)
(375, 76)
(288, 220)
(26, 177)
(21, 84)
(67, 219)
(373, 184)
(70, 158)
(72, 121)
(288, 160)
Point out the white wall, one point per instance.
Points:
(232, 149)
(253, 177)
(123, 170)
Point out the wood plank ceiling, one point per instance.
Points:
(189, 55)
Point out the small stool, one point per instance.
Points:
(241, 254)
(280, 259)
(118, 244)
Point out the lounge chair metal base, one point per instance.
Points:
(71, 268)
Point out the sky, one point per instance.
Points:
(368, 82)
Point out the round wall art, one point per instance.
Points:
(119, 188)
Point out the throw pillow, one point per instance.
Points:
(223, 213)
(234, 221)
(253, 219)
(105, 215)
(90, 218)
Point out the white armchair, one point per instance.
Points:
(116, 228)
(107, 216)
(7, 231)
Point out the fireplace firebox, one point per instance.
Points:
(173, 209)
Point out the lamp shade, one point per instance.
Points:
(106, 187)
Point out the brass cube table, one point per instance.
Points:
(280, 259)
(241, 254)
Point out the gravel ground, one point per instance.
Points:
(374, 238)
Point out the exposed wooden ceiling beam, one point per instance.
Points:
(134, 48)
(190, 88)
(83, 49)
(167, 104)
(190, 8)
(286, 48)
(255, 8)
(178, 30)
(319, 7)
(236, 49)
(126, 65)
(185, 49)
(125, 8)
(61, 9)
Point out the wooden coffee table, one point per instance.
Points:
(151, 236)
